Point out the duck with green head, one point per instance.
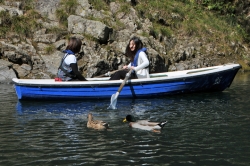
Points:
(144, 124)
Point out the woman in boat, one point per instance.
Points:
(138, 61)
(68, 70)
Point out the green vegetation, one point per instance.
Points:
(23, 25)
(211, 19)
(187, 17)
(215, 21)
(223, 6)
(50, 49)
(62, 17)
(99, 4)
(57, 30)
(67, 8)
(90, 38)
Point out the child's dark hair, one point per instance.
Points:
(74, 45)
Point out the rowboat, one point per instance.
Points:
(209, 79)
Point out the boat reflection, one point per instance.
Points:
(58, 107)
(97, 107)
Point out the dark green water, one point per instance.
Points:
(206, 129)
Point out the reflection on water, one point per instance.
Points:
(202, 129)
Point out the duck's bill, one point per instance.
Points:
(125, 120)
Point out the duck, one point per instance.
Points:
(144, 124)
(96, 124)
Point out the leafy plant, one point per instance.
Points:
(50, 49)
(62, 17)
(99, 4)
(5, 18)
(67, 8)
(23, 25)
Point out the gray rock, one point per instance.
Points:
(13, 11)
(47, 8)
(6, 72)
(22, 70)
(46, 38)
(52, 62)
(80, 25)
(166, 53)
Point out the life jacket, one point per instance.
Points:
(134, 63)
(61, 68)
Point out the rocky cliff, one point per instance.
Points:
(36, 52)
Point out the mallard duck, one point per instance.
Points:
(96, 124)
(144, 124)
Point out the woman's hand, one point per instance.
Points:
(132, 67)
(125, 67)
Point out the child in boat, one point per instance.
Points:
(68, 70)
(138, 61)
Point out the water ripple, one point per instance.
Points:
(202, 129)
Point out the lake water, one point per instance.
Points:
(205, 129)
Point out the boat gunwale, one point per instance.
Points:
(100, 82)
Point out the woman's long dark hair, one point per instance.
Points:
(74, 45)
(138, 46)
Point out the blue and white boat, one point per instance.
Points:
(216, 78)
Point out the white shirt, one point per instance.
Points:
(66, 65)
(70, 59)
(142, 70)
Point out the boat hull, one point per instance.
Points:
(206, 80)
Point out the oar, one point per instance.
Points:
(107, 74)
(114, 97)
